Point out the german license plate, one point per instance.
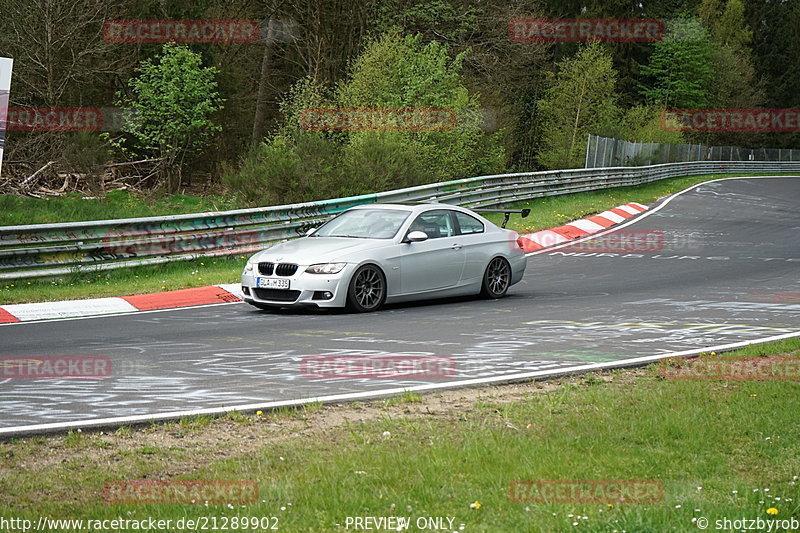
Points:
(271, 283)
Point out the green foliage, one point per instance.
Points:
(444, 17)
(173, 98)
(644, 124)
(680, 67)
(304, 94)
(754, 62)
(393, 72)
(735, 81)
(726, 22)
(385, 160)
(580, 100)
(286, 169)
(735, 84)
(397, 71)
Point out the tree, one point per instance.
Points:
(60, 60)
(403, 77)
(736, 84)
(580, 100)
(56, 46)
(644, 124)
(726, 22)
(776, 47)
(169, 113)
(680, 67)
(404, 72)
(507, 74)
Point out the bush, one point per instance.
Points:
(169, 113)
(380, 161)
(267, 172)
(295, 165)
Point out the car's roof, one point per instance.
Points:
(411, 207)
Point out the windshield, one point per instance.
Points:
(364, 224)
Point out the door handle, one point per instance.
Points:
(456, 246)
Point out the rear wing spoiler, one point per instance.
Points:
(507, 212)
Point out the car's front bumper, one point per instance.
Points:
(304, 289)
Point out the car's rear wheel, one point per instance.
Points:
(496, 279)
(367, 290)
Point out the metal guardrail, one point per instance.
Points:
(42, 250)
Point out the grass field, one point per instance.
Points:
(73, 207)
(721, 449)
(545, 213)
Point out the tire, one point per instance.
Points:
(367, 289)
(496, 279)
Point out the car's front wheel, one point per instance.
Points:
(367, 290)
(496, 279)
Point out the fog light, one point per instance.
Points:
(246, 290)
(322, 295)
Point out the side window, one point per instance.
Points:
(435, 224)
(468, 224)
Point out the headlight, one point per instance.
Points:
(249, 266)
(326, 268)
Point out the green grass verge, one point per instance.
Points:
(721, 449)
(73, 207)
(545, 213)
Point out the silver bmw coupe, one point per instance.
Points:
(385, 253)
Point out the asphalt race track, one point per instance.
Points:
(713, 266)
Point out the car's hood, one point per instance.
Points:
(311, 250)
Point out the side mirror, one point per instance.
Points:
(416, 236)
(310, 232)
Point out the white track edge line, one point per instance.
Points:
(645, 214)
(140, 419)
